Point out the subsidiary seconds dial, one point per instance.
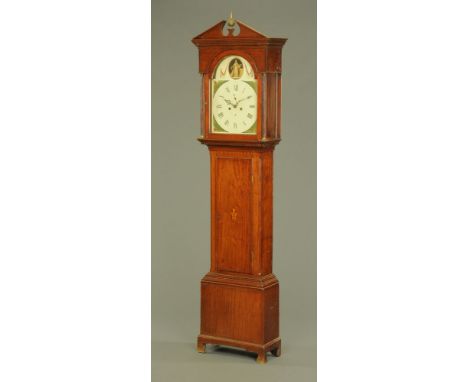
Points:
(234, 106)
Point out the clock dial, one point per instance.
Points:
(235, 106)
(234, 97)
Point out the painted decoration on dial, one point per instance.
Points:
(234, 97)
(236, 69)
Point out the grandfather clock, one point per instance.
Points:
(240, 124)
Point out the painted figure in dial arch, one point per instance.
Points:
(236, 69)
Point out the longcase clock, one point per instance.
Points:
(240, 124)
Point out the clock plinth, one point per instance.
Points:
(241, 101)
(241, 312)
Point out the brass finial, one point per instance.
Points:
(230, 21)
(231, 27)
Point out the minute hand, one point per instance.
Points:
(243, 99)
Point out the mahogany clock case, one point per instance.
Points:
(240, 294)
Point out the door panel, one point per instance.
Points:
(233, 204)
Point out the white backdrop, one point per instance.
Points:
(75, 190)
(392, 190)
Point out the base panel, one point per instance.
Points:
(261, 349)
(240, 311)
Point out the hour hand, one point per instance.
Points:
(227, 101)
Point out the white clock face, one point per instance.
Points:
(234, 97)
(235, 106)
